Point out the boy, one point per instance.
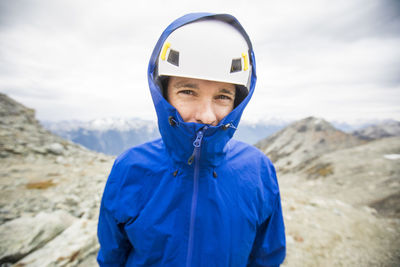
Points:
(195, 197)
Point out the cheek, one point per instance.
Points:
(223, 111)
(184, 108)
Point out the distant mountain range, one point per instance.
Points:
(109, 136)
(114, 135)
(384, 129)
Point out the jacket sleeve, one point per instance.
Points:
(269, 247)
(114, 244)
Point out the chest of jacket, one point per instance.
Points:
(221, 228)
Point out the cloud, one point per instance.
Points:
(74, 59)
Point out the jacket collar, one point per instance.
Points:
(178, 136)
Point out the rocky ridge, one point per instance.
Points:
(50, 193)
(21, 133)
(341, 207)
(293, 147)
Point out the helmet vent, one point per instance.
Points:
(236, 65)
(173, 57)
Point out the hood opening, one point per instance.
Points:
(240, 95)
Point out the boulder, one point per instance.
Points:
(26, 234)
(73, 246)
(56, 149)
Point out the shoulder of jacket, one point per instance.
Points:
(129, 176)
(139, 159)
(237, 147)
(148, 150)
(251, 157)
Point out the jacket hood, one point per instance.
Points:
(179, 136)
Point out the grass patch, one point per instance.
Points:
(320, 170)
(40, 185)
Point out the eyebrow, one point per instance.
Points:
(226, 91)
(186, 84)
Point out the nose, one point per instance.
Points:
(205, 114)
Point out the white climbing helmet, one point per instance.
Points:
(207, 49)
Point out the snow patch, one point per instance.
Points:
(392, 156)
(317, 121)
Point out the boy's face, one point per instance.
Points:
(201, 101)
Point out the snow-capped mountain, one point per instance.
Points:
(383, 129)
(109, 135)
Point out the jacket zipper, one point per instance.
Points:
(196, 157)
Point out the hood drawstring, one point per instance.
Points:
(215, 174)
(227, 126)
(172, 121)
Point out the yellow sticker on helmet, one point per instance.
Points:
(164, 51)
(246, 61)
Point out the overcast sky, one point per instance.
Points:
(75, 59)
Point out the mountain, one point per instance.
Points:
(51, 190)
(339, 194)
(380, 130)
(50, 193)
(298, 143)
(340, 166)
(109, 136)
(22, 134)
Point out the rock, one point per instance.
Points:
(317, 202)
(91, 260)
(337, 212)
(39, 150)
(4, 154)
(55, 148)
(60, 160)
(68, 249)
(72, 200)
(289, 240)
(26, 234)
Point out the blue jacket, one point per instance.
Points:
(195, 197)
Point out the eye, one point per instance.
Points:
(224, 97)
(186, 92)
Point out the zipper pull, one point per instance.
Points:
(197, 143)
(199, 137)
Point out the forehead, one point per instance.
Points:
(177, 82)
